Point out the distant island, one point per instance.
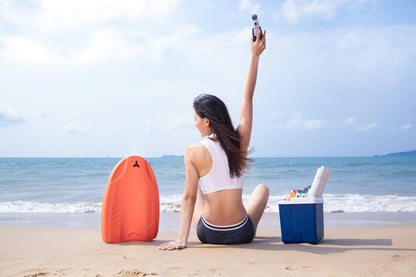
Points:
(399, 154)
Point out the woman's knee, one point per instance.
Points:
(263, 190)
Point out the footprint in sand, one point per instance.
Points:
(396, 256)
(127, 273)
(37, 274)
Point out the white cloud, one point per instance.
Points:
(326, 60)
(10, 116)
(367, 127)
(273, 115)
(315, 124)
(297, 122)
(79, 32)
(406, 126)
(117, 45)
(349, 121)
(295, 10)
(248, 6)
(27, 50)
(177, 41)
(78, 129)
(167, 124)
(174, 122)
(104, 45)
(68, 14)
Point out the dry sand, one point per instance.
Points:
(352, 251)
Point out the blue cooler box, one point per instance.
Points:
(302, 220)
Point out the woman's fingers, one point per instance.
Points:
(173, 245)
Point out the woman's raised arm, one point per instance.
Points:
(246, 116)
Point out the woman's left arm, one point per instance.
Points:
(188, 203)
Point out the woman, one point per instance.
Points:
(218, 164)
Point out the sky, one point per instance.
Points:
(101, 78)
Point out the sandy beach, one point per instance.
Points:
(347, 251)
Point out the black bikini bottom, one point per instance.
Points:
(242, 232)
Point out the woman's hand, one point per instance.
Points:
(172, 245)
(258, 46)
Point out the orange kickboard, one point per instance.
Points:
(130, 209)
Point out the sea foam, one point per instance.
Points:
(333, 203)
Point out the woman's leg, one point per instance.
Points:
(199, 207)
(257, 203)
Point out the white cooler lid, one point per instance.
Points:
(319, 182)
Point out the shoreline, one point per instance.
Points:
(169, 221)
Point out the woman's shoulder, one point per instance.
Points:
(199, 156)
(197, 152)
(195, 148)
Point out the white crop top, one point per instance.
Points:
(218, 178)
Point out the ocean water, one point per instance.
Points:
(76, 185)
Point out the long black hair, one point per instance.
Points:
(214, 109)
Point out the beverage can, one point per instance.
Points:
(256, 27)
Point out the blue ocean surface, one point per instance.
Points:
(76, 185)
